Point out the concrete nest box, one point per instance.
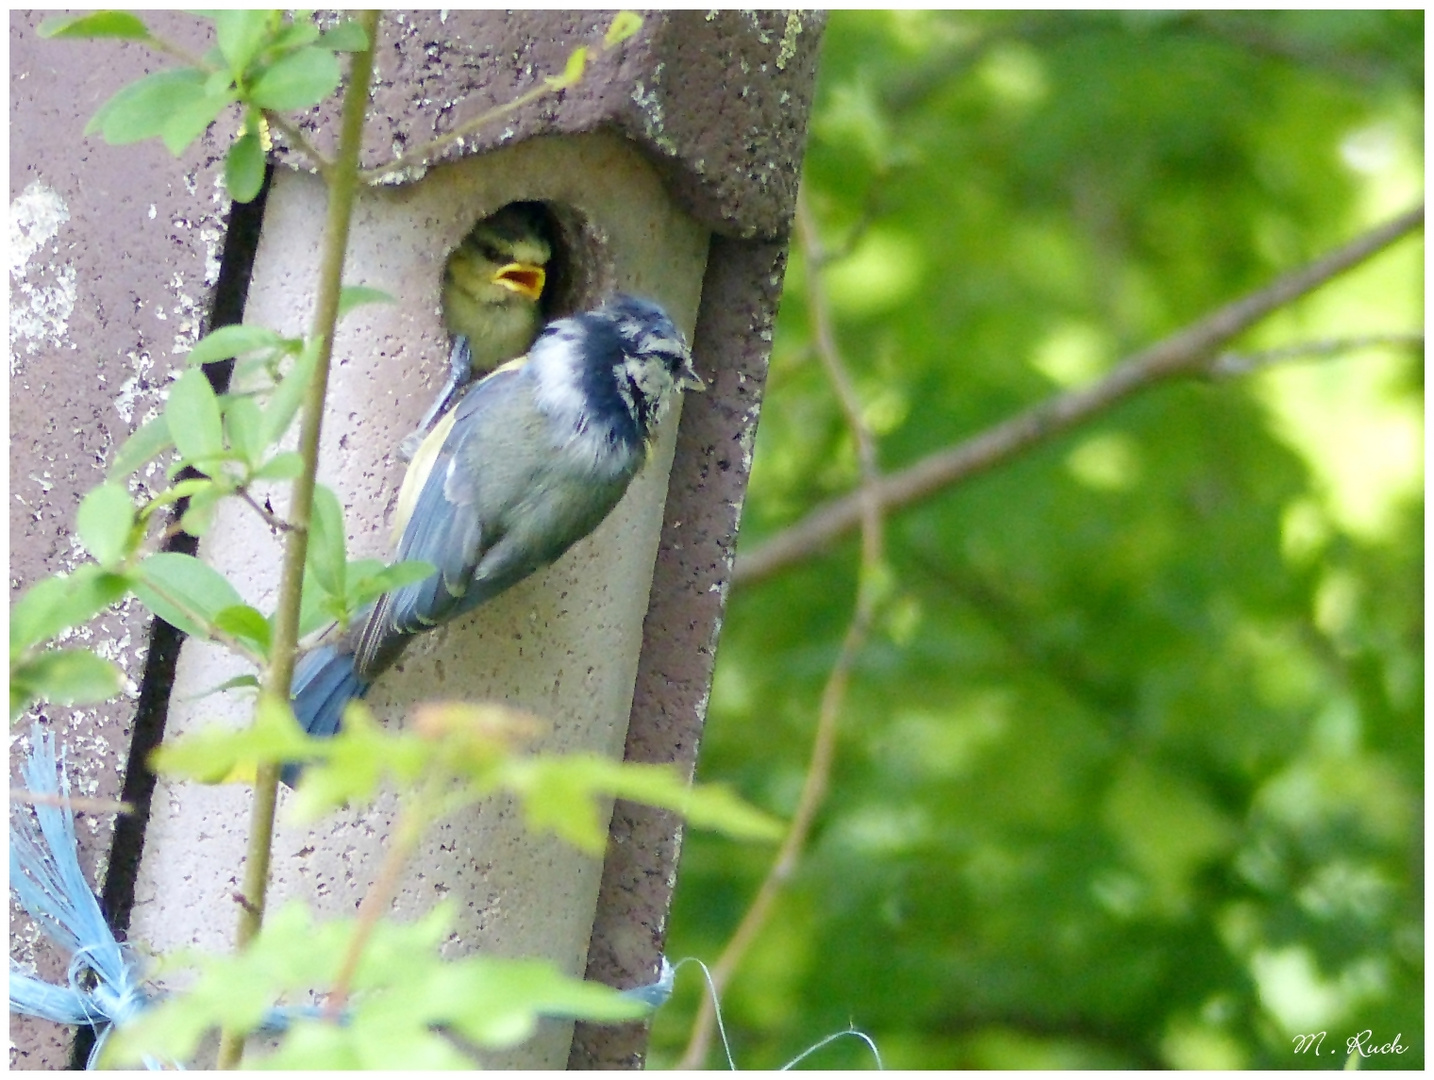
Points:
(670, 172)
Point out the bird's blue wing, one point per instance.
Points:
(445, 525)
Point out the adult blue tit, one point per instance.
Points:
(529, 461)
(492, 284)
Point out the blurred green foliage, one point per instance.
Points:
(1132, 773)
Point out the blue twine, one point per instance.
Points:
(103, 982)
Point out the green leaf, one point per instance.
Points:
(564, 798)
(58, 603)
(241, 33)
(288, 396)
(182, 489)
(347, 36)
(282, 466)
(151, 439)
(104, 524)
(366, 580)
(573, 71)
(568, 796)
(624, 25)
(142, 109)
(352, 296)
(234, 340)
(326, 552)
(213, 753)
(315, 1045)
(190, 120)
(243, 621)
(184, 592)
(220, 81)
(468, 741)
(100, 24)
(204, 502)
(316, 607)
(244, 166)
(244, 426)
(192, 411)
(297, 81)
(350, 766)
(704, 806)
(295, 35)
(497, 1002)
(63, 677)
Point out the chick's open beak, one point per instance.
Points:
(523, 278)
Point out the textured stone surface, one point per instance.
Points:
(740, 296)
(114, 253)
(718, 100)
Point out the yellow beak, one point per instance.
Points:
(525, 279)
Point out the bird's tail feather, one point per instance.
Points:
(324, 682)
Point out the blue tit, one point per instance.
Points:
(530, 460)
(492, 284)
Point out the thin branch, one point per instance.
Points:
(818, 774)
(408, 831)
(425, 154)
(298, 141)
(77, 803)
(1184, 353)
(1232, 364)
(280, 672)
(430, 150)
(273, 520)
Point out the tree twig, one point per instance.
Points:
(280, 672)
(297, 141)
(430, 150)
(407, 832)
(1184, 353)
(271, 519)
(818, 774)
(1232, 364)
(78, 803)
(425, 154)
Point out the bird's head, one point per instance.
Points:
(610, 375)
(498, 269)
